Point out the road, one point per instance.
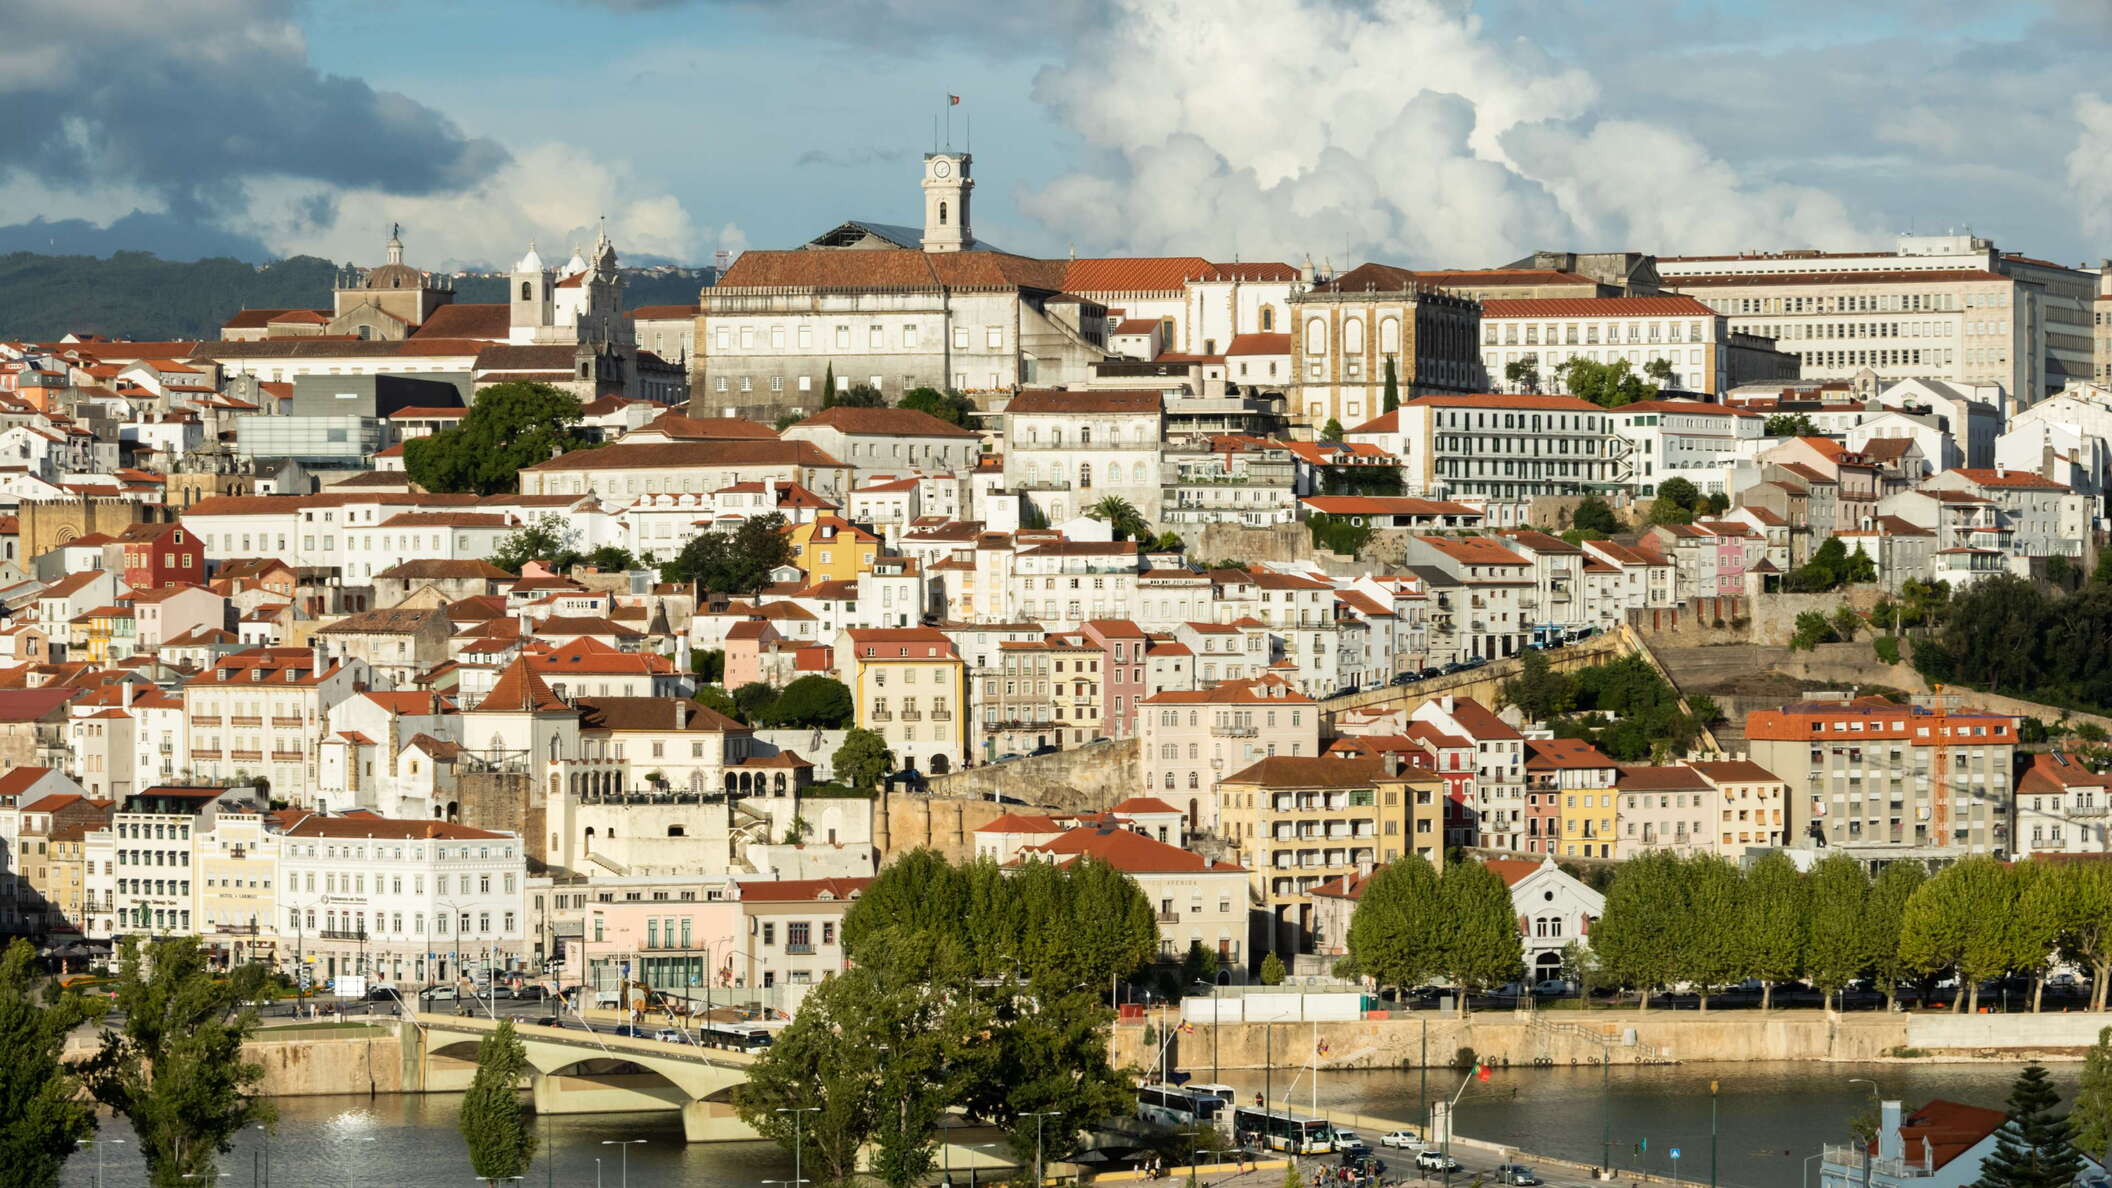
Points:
(1400, 1169)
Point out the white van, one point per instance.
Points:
(608, 1000)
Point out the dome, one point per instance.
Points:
(393, 276)
(530, 262)
(577, 264)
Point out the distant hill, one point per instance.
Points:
(138, 295)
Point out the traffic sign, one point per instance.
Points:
(1675, 1152)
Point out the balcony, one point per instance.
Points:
(352, 934)
(799, 948)
(881, 716)
(1169, 917)
(940, 715)
(245, 721)
(910, 715)
(1232, 732)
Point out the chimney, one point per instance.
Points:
(1890, 1144)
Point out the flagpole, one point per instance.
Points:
(949, 119)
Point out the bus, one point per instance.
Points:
(741, 1037)
(1172, 1105)
(1281, 1130)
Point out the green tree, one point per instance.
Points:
(1392, 399)
(1595, 517)
(1960, 920)
(755, 701)
(733, 561)
(948, 406)
(1395, 931)
(1272, 971)
(610, 559)
(1659, 372)
(2035, 1147)
(854, 396)
(1886, 911)
(1776, 910)
(1199, 964)
(1845, 623)
(828, 386)
(1332, 431)
(2036, 924)
(1480, 945)
(1711, 947)
(1580, 967)
(175, 1069)
(2092, 1116)
(1609, 385)
(864, 759)
(495, 1124)
(1122, 516)
(1812, 629)
(1790, 425)
(1839, 945)
(813, 701)
(713, 697)
(42, 1115)
(548, 538)
(1636, 939)
(1523, 374)
(708, 665)
(1715, 503)
(1539, 692)
(509, 426)
(2085, 900)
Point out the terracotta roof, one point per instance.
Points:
(493, 322)
(1259, 344)
(1893, 277)
(679, 454)
(651, 312)
(437, 569)
(1261, 690)
(389, 828)
(804, 890)
(519, 690)
(1734, 770)
(1674, 777)
(2014, 479)
(652, 714)
(889, 268)
(1020, 823)
(1143, 804)
(1049, 400)
(1596, 307)
(1944, 1130)
(688, 428)
(892, 422)
(1309, 771)
(1126, 850)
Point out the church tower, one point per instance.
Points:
(528, 298)
(947, 187)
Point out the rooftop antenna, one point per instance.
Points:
(934, 134)
(968, 137)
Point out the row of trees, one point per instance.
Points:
(1609, 385)
(1413, 925)
(967, 989)
(173, 1068)
(1623, 707)
(1700, 921)
(809, 702)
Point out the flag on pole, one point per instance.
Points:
(953, 100)
(1481, 1071)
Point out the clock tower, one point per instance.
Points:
(947, 187)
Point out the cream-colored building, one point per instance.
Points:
(238, 867)
(1346, 329)
(1694, 340)
(1193, 738)
(696, 467)
(1066, 451)
(1195, 900)
(908, 683)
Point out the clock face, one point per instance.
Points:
(942, 169)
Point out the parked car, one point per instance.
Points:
(531, 993)
(1400, 1138)
(627, 1029)
(441, 993)
(668, 1035)
(1436, 1161)
(1402, 678)
(1555, 988)
(1516, 1174)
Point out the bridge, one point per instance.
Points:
(573, 1071)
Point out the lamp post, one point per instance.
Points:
(1876, 1099)
(99, 1144)
(798, 1137)
(1712, 1134)
(266, 1152)
(625, 1145)
(1038, 1115)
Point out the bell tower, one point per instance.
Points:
(947, 188)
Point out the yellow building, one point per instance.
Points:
(63, 878)
(910, 685)
(1298, 821)
(832, 549)
(1582, 781)
(238, 868)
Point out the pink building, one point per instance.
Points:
(1123, 683)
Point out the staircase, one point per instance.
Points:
(1606, 1036)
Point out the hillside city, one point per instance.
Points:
(907, 610)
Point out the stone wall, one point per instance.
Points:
(314, 1064)
(1772, 620)
(46, 524)
(1482, 684)
(906, 821)
(1244, 543)
(505, 801)
(1089, 777)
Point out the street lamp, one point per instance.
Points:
(798, 1143)
(266, 1132)
(99, 1144)
(626, 1145)
(1876, 1099)
(1038, 1115)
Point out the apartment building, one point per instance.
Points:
(1190, 739)
(1885, 781)
(1686, 439)
(1576, 781)
(1494, 809)
(1299, 821)
(1196, 901)
(908, 683)
(1705, 355)
(1066, 451)
(1946, 307)
(1502, 446)
(791, 930)
(1349, 330)
(258, 714)
(2063, 807)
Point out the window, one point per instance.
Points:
(995, 338)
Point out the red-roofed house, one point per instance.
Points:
(1492, 811)
(1191, 739)
(2062, 807)
(2045, 518)
(1196, 901)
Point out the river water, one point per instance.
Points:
(1770, 1117)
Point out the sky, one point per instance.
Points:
(1441, 133)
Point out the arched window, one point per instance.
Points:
(942, 214)
(1191, 779)
(1315, 337)
(1085, 475)
(1353, 337)
(1169, 781)
(525, 294)
(1390, 336)
(1268, 317)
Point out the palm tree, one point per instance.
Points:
(1120, 515)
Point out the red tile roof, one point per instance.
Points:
(1596, 307)
(1126, 850)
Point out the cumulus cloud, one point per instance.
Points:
(1392, 129)
(191, 100)
(2090, 163)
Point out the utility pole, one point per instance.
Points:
(1712, 1134)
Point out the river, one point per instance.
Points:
(1770, 1117)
